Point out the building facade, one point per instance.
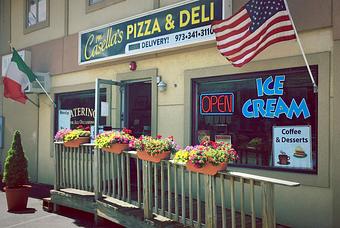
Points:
(201, 86)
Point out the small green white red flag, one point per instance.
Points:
(17, 78)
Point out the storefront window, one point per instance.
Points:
(269, 117)
(77, 108)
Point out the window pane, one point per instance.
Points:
(92, 2)
(42, 11)
(260, 137)
(32, 12)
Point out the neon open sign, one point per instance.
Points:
(217, 104)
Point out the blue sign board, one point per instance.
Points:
(169, 27)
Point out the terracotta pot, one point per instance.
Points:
(17, 197)
(116, 148)
(208, 169)
(77, 142)
(155, 158)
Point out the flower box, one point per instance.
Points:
(77, 142)
(208, 169)
(116, 148)
(156, 158)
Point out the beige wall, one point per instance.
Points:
(80, 20)
(335, 155)
(307, 14)
(5, 26)
(25, 119)
(53, 31)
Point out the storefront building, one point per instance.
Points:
(171, 84)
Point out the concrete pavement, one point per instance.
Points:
(36, 217)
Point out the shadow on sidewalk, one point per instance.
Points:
(38, 191)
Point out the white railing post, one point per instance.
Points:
(268, 211)
(97, 174)
(147, 190)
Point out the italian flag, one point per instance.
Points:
(17, 78)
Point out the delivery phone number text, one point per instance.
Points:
(193, 34)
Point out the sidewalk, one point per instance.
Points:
(36, 217)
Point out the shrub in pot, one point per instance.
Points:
(15, 176)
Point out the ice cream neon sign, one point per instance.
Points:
(273, 107)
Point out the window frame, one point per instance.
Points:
(195, 82)
(38, 25)
(100, 5)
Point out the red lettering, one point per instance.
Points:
(229, 102)
(221, 103)
(205, 110)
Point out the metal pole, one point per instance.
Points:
(301, 48)
(97, 103)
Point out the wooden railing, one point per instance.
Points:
(168, 189)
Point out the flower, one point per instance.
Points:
(67, 135)
(59, 136)
(156, 145)
(208, 151)
(106, 139)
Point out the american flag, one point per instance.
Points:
(258, 24)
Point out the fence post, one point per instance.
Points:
(268, 211)
(209, 211)
(56, 166)
(147, 190)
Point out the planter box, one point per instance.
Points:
(143, 155)
(77, 142)
(116, 148)
(208, 169)
(17, 197)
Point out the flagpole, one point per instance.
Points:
(11, 46)
(301, 48)
(45, 92)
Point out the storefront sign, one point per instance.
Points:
(273, 107)
(168, 27)
(292, 147)
(217, 104)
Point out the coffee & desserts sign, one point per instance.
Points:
(292, 147)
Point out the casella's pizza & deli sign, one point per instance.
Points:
(169, 27)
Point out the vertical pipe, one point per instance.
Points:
(56, 167)
(82, 180)
(209, 220)
(103, 168)
(92, 161)
(214, 212)
(149, 179)
(146, 190)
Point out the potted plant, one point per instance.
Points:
(16, 176)
(207, 158)
(114, 141)
(73, 138)
(154, 149)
